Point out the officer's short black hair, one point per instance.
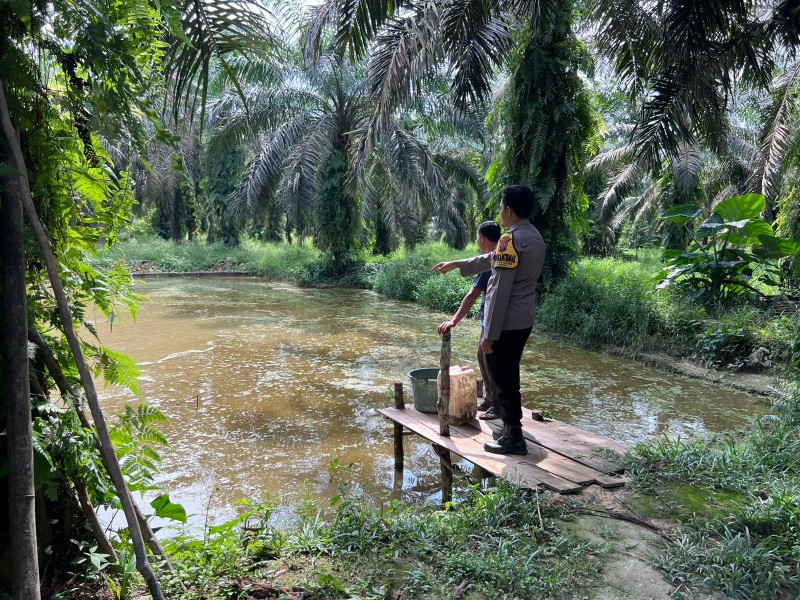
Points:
(490, 230)
(518, 198)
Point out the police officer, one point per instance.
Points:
(510, 311)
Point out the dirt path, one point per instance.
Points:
(630, 542)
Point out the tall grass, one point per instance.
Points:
(269, 260)
(603, 301)
(405, 272)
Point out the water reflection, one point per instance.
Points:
(266, 384)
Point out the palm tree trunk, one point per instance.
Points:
(22, 501)
(107, 448)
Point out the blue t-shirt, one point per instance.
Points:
(481, 283)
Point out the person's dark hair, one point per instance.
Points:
(518, 198)
(490, 230)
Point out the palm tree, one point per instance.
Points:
(168, 182)
(753, 156)
(546, 124)
(306, 129)
(687, 62)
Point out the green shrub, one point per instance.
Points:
(724, 346)
(323, 271)
(444, 293)
(276, 261)
(404, 272)
(602, 301)
(780, 334)
(679, 317)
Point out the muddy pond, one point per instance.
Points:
(266, 385)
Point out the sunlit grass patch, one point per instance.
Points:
(493, 543)
(603, 301)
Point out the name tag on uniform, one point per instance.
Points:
(505, 256)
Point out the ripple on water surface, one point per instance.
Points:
(265, 385)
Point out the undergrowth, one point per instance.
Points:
(748, 547)
(612, 302)
(495, 543)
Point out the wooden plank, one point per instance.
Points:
(467, 442)
(571, 442)
(594, 440)
(494, 465)
(571, 449)
(558, 464)
(521, 463)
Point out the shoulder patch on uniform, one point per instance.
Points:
(505, 256)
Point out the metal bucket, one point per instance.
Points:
(424, 389)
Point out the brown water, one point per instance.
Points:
(266, 384)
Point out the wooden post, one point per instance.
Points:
(443, 401)
(447, 472)
(479, 473)
(398, 429)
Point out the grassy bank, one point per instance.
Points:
(613, 302)
(738, 497)
(496, 543)
(601, 302)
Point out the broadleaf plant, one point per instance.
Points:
(730, 250)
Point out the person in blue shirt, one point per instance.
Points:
(488, 235)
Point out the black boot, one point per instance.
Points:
(511, 442)
(498, 433)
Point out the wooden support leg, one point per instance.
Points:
(398, 429)
(447, 472)
(479, 473)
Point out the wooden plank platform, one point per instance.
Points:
(560, 457)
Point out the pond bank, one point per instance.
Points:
(757, 383)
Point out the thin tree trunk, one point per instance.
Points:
(67, 392)
(106, 447)
(22, 501)
(97, 529)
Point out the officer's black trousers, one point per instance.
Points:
(504, 366)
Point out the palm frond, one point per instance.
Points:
(406, 50)
(247, 71)
(780, 120)
(265, 170)
(621, 181)
(609, 159)
(356, 23)
(299, 184)
(686, 166)
(629, 35)
(212, 30)
(475, 40)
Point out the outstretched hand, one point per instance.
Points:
(445, 267)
